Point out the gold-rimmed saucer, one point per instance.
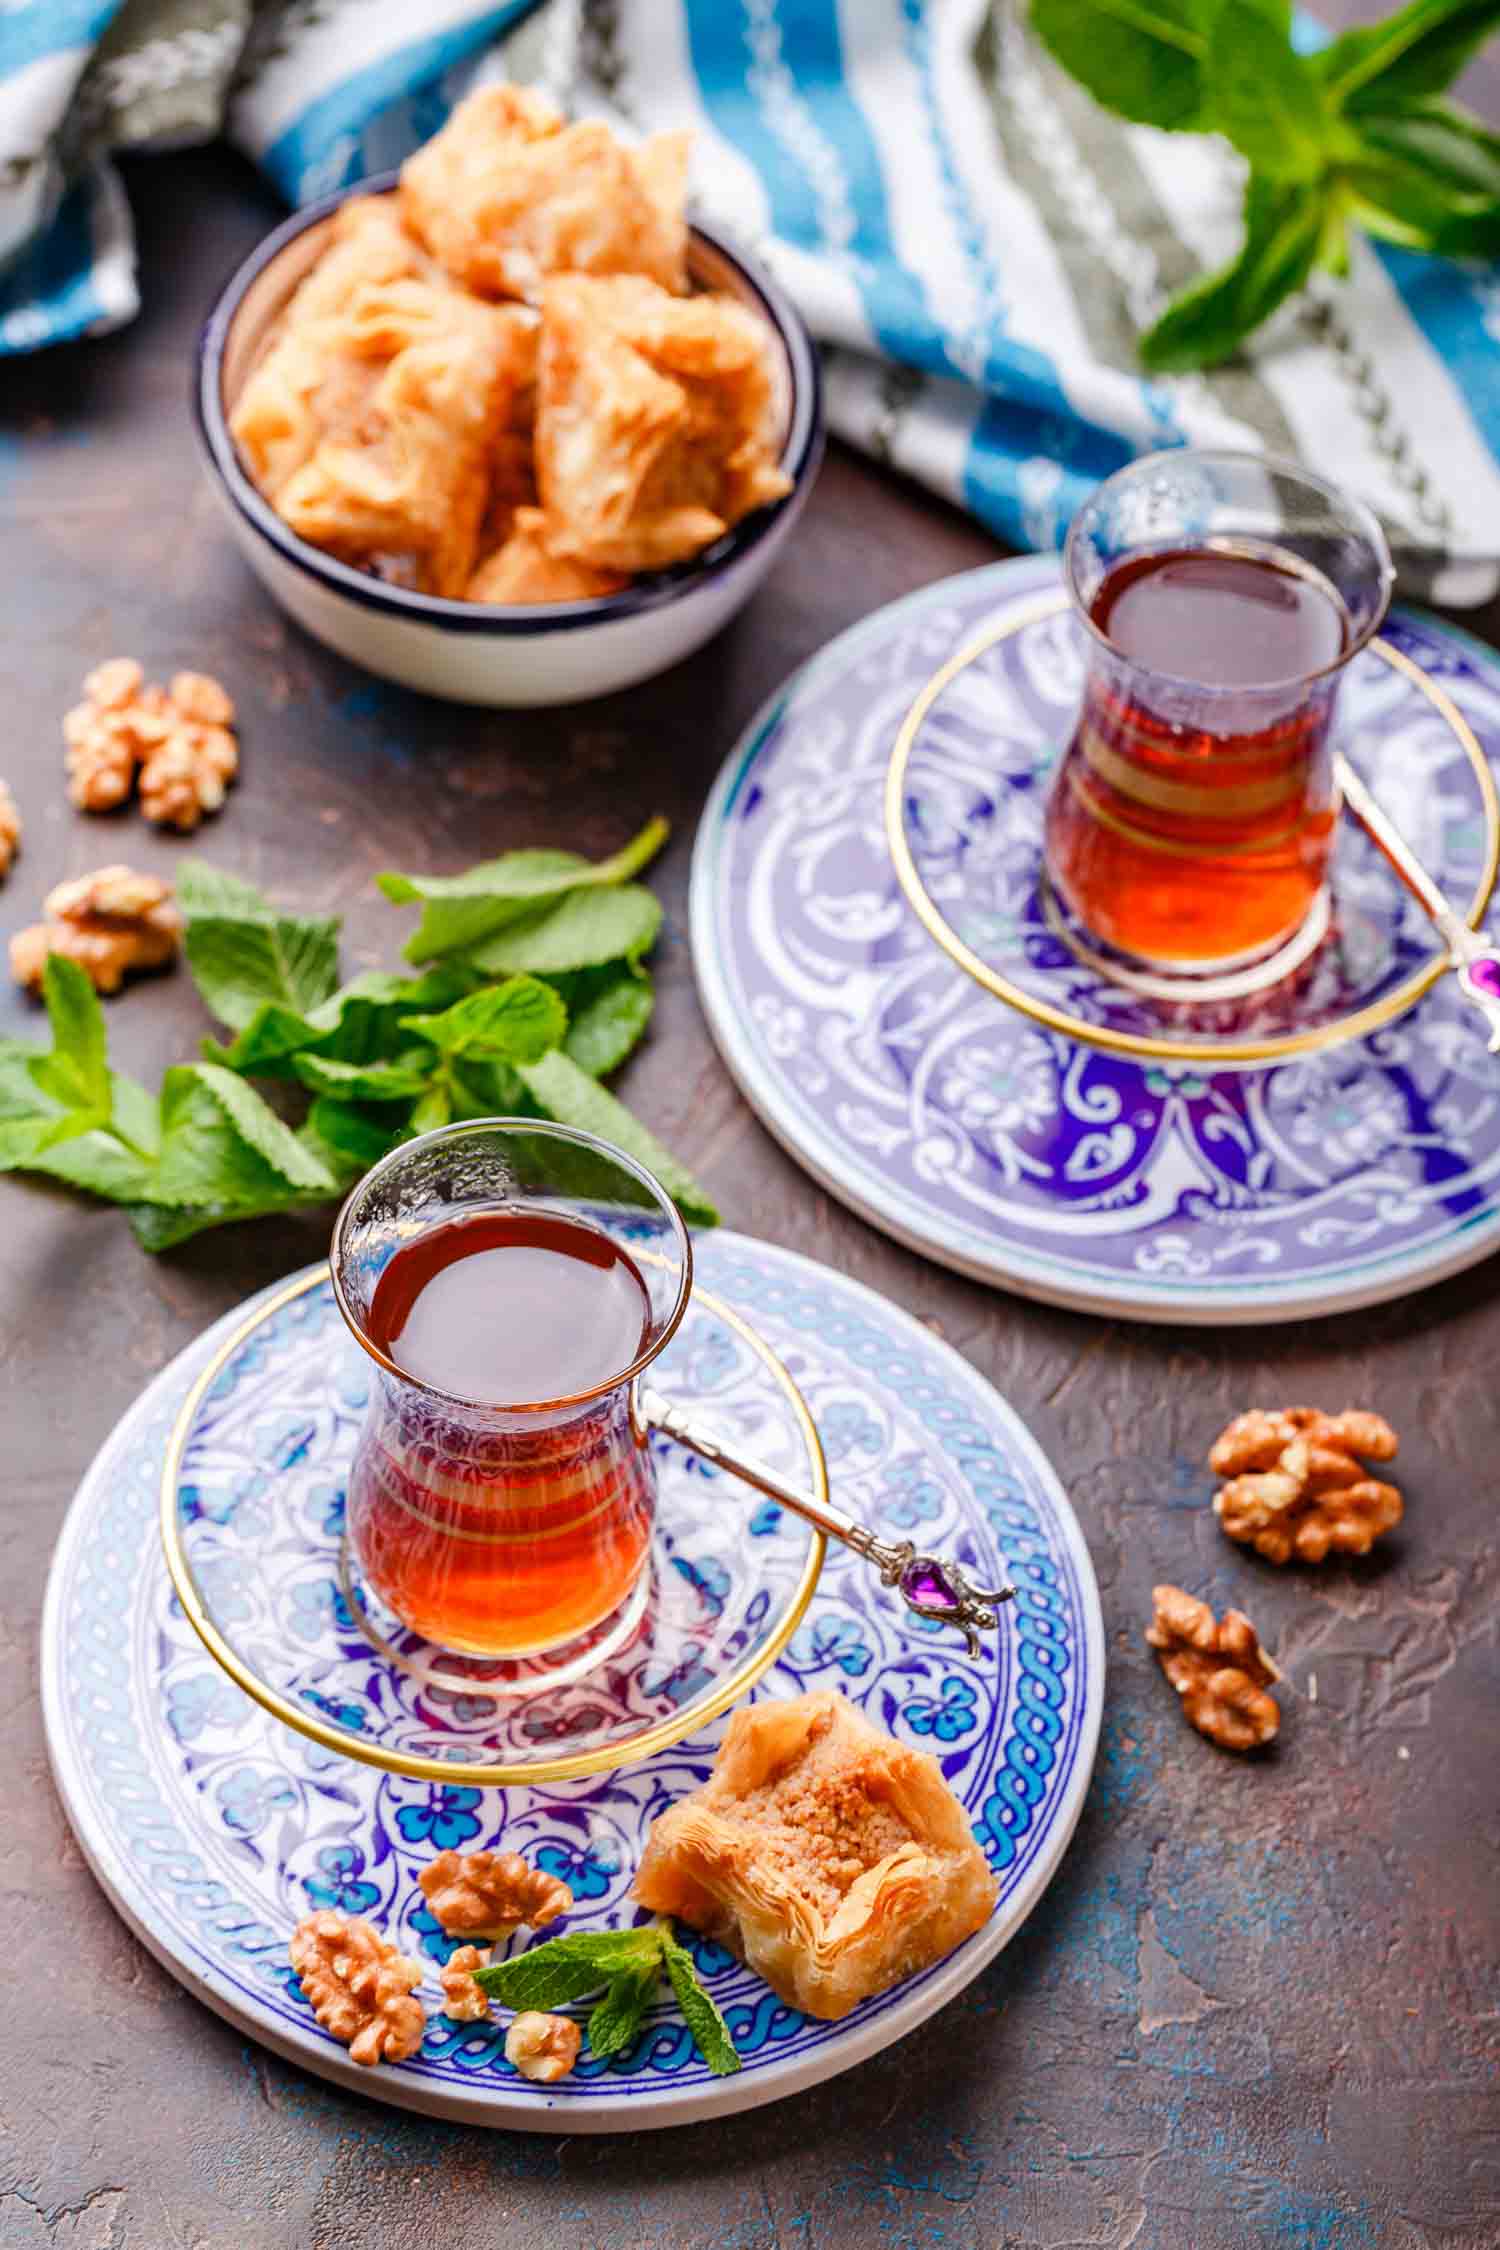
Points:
(962, 809)
(251, 1519)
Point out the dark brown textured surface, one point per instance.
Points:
(1260, 2005)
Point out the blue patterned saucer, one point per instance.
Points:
(213, 1828)
(1157, 1190)
(253, 1524)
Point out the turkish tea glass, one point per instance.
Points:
(522, 1529)
(1189, 828)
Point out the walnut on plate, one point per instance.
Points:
(1219, 1669)
(1297, 1486)
(463, 2000)
(109, 922)
(361, 1988)
(490, 1894)
(10, 830)
(542, 2047)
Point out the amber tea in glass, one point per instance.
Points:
(509, 1279)
(1191, 821)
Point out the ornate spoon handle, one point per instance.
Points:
(1474, 954)
(928, 1584)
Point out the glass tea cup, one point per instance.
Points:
(517, 1528)
(1190, 824)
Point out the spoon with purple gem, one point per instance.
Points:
(930, 1585)
(1474, 954)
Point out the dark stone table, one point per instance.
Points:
(1259, 2005)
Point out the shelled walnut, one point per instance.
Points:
(109, 922)
(1297, 1483)
(177, 739)
(10, 830)
(188, 774)
(463, 1999)
(359, 1985)
(1219, 1669)
(542, 2047)
(490, 1894)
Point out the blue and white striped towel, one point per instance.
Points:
(977, 245)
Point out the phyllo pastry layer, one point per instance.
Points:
(833, 1860)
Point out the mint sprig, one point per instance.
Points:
(549, 994)
(628, 1965)
(1357, 134)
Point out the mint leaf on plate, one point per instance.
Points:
(462, 910)
(568, 1968)
(569, 1096)
(586, 929)
(243, 951)
(615, 2022)
(700, 2011)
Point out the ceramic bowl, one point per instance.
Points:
(481, 652)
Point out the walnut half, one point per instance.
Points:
(542, 2047)
(361, 1988)
(463, 1999)
(109, 922)
(10, 830)
(1219, 1669)
(1297, 1485)
(490, 1894)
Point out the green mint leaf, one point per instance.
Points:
(1430, 179)
(244, 952)
(221, 1144)
(434, 1109)
(135, 1114)
(359, 1023)
(586, 929)
(98, 1162)
(76, 1073)
(700, 2011)
(615, 2022)
(483, 1086)
(519, 1021)
(346, 1139)
(157, 1227)
(1415, 52)
(1143, 59)
(567, 1968)
(1205, 324)
(462, 910)
(362, 1082)
(608, 1012)
(569, 1096)
(1266, 99)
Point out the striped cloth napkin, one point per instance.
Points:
(975, 243)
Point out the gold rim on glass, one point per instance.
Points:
(491, 1775)
(1352, 1026)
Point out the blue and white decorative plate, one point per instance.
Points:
(1154, 1190)
(213, 1828)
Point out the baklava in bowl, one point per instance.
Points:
(504, 427)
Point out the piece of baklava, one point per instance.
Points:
(508, 193)
(371, 421)
(656, 420)
(834, 1861)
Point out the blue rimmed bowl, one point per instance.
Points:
(506, 654)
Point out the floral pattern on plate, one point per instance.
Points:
(214, 1829)
(1157, 1191)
